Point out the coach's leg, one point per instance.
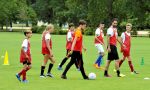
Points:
(107, 67)
(72, 61)
(80, 59)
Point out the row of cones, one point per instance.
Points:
(6, 61)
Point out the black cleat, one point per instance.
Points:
(63, 76)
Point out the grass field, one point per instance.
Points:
(11, 42)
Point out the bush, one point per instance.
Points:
(38, 29)
(89, 31)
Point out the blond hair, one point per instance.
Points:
(50, 26)
(129, 24)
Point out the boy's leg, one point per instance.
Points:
(130, 64)
(121, 61)
(100, 58)
(46, 57)
(117, 67)
(24, 72)
(50, 67)
(64, 60)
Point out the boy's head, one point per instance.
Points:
(28, 33)
(128, 27)
(114, 22)
(50, 28)
(101, 25)
(71, 26)
(82, 24)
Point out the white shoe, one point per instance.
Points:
(50, 75)
(42, 76)
(114, 70)
(122, 75)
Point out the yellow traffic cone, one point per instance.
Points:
(6, 62)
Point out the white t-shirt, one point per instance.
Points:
(98, 31)
(69, 36)
(123, 36)
(110, 31)
(25, 45)
(47, 36)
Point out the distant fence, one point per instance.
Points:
(15, 29)
(142, 34)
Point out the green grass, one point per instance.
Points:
(11, 42)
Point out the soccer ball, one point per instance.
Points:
(92, 76)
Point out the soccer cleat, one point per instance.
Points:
(134, 72)
(25, 81)
(94, 65)
(86, 78)
(63, 76)
(78, 69)
(42, 76)
(102, 68)
(107, 76)
(97, 67)
(115, 70)
(49, 75)
(18, 77)
(59, 68)
(121, 75)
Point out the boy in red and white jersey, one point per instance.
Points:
(99, 42)
(126, 40)
(25, 57)
(47, 50)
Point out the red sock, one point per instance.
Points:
(24, 75)
(120, 63)
(131, 66)
(21, 72)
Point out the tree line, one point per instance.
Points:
(136, 12)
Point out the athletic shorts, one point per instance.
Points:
(113, 55)
(26, 62)
(99, 48)
(125, 51)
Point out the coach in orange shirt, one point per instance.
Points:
(76, 50)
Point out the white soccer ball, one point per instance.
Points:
(92, 76)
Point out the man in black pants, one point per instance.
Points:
(76, 51)
(69, 40)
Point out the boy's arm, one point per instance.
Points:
(26, 55)
(73, 44)
(98, 39)
(108, 44)
(48, 46)
(120, 42)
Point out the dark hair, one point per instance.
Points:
(82, 22)
(71, 24)
(114, 19)
(101, 22)
(27, 32)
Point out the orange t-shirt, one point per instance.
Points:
(78, 45)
